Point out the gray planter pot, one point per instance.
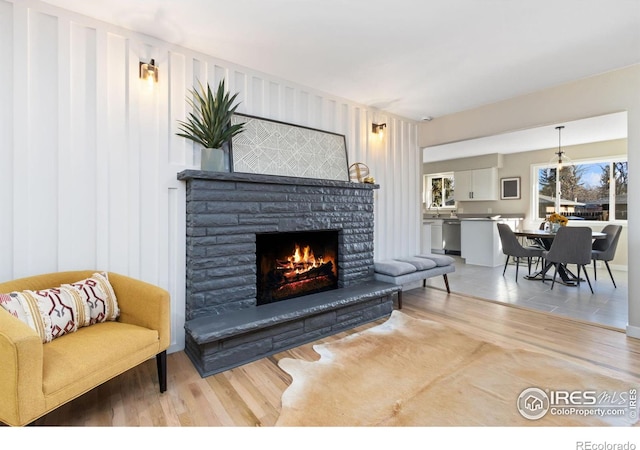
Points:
(214, 159)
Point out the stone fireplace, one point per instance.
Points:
(274, 262)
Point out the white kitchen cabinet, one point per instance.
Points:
(426, 237)
(480, 241)
(476, 185)
(436, 237)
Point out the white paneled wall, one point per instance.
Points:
(89, 156)
(7, 125)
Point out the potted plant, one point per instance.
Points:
(209, 124)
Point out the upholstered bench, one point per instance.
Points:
(400, 271)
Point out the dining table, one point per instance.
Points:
(544, 239)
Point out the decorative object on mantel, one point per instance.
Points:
(358, 172)
(271, 147)
(209, 124)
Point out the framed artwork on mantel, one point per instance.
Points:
(510, 188)
(270, 147)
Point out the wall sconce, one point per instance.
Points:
(378, 129)
(149, 72)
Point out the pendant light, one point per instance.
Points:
(561, 160)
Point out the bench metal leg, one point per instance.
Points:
(446, 283)
(161, 362)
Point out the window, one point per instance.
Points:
(439, 190)
(588, 190)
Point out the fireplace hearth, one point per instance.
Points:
(275, 262)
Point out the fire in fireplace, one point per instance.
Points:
(294, 264)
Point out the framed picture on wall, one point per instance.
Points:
(270, 147)
(510, 188)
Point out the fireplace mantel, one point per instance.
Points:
(270, 179)
(225, 212)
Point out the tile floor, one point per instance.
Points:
(607, 306)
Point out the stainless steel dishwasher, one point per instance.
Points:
(451, 236)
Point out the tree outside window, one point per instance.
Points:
(440, 189)
(585, 191)
(621, 177)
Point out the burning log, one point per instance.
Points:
(291, 275)
(300, 273)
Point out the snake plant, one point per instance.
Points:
(209, 123)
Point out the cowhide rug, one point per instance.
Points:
(411, 372)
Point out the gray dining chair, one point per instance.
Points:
(605, 249)
(514, 249)
(571, 245)
(538, 243)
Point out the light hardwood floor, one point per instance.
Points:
(250, 395)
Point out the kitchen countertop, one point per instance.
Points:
(494, 217)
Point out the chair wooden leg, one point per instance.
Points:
(161, 362)
(446, 282)
(606, 263)
(400, 299)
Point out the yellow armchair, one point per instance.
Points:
(36, 378)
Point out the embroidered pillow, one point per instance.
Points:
(57, 311)
(50, 312)
(98, 293)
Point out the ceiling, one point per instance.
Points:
(412, 58)
(594, 129)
